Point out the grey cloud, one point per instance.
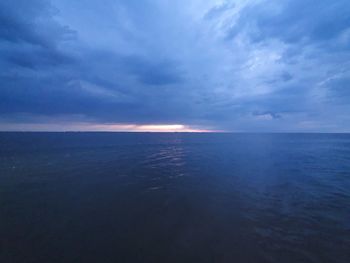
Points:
(217, 11)
(153, 72)
(273, 115)
(293, 21)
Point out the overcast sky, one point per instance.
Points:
(254, 65)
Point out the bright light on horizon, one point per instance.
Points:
(149, 128)
(108, 127)
(158, 128)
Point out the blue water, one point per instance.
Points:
(141, 197)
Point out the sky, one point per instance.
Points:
(184, 65)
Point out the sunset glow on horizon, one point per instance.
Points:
(149, 128)
(109, 127)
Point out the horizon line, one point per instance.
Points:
(194, 132)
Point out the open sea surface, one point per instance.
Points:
(174, 197)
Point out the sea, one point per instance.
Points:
(174, 197)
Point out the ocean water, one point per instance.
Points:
(177, 197)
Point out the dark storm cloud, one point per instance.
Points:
(233, 65)
(30, 24)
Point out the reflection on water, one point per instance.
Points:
(106, 197)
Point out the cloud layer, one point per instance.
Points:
(255, 65)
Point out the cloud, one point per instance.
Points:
(291, 21)
(150, 72)
(231, 65)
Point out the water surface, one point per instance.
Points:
(141, 197)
